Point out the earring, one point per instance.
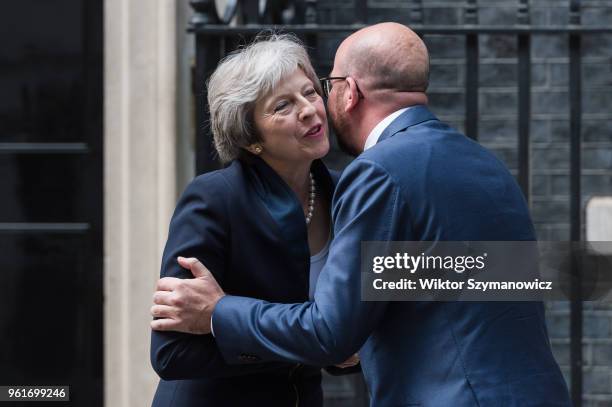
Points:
(257, 149)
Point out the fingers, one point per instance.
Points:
(163, 298)
(163, 311)
(193, 264)
(185, 262)
(164, 324)
(352, 361)
(167, 283)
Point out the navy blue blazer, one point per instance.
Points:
(247, 226)
(422, 181)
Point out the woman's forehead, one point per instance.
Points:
(296, 79)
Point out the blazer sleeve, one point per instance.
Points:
(199, 228)
(367, 206)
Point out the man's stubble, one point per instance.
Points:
(339, 122)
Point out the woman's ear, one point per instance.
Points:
(255, 148)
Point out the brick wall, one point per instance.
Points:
(549, 126)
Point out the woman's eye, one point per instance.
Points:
(310, 92)
(281, 106)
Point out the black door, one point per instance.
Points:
(51, 196)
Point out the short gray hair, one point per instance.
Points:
(241, 79)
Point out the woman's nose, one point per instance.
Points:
(307, 109)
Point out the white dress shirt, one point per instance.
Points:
(380, 127)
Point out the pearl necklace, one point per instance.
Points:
(311, 199)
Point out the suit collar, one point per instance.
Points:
(411, 117)
(377, 131)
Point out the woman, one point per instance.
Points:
(261, 225)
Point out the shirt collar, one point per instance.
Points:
(380, 127)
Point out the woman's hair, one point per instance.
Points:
(241, 79)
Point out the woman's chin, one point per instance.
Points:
(323, 149)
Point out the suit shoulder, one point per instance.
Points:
(208, 195)
(215, 183)
(364, 169)
(216, 190)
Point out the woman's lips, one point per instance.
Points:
(315, 131)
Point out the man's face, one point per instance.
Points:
(339, 118)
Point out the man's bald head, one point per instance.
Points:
(378, 70)
(385, 57)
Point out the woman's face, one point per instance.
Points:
(292, 122)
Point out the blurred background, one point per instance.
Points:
(103, 122)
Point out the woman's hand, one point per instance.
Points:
(352, 361)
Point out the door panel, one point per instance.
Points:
(51, 196)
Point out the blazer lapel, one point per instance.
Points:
(282, 207)
(411, 117)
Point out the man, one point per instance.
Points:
(416, 179)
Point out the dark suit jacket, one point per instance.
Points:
(246, 225)
(422, 181)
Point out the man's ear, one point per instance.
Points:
(351, 95)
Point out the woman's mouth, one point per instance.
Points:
(314, 131)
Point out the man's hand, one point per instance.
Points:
(186, 305)
(352, 361)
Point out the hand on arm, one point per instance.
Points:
(186, 305)
(198, 229)
(350, 362)
(350, 366)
